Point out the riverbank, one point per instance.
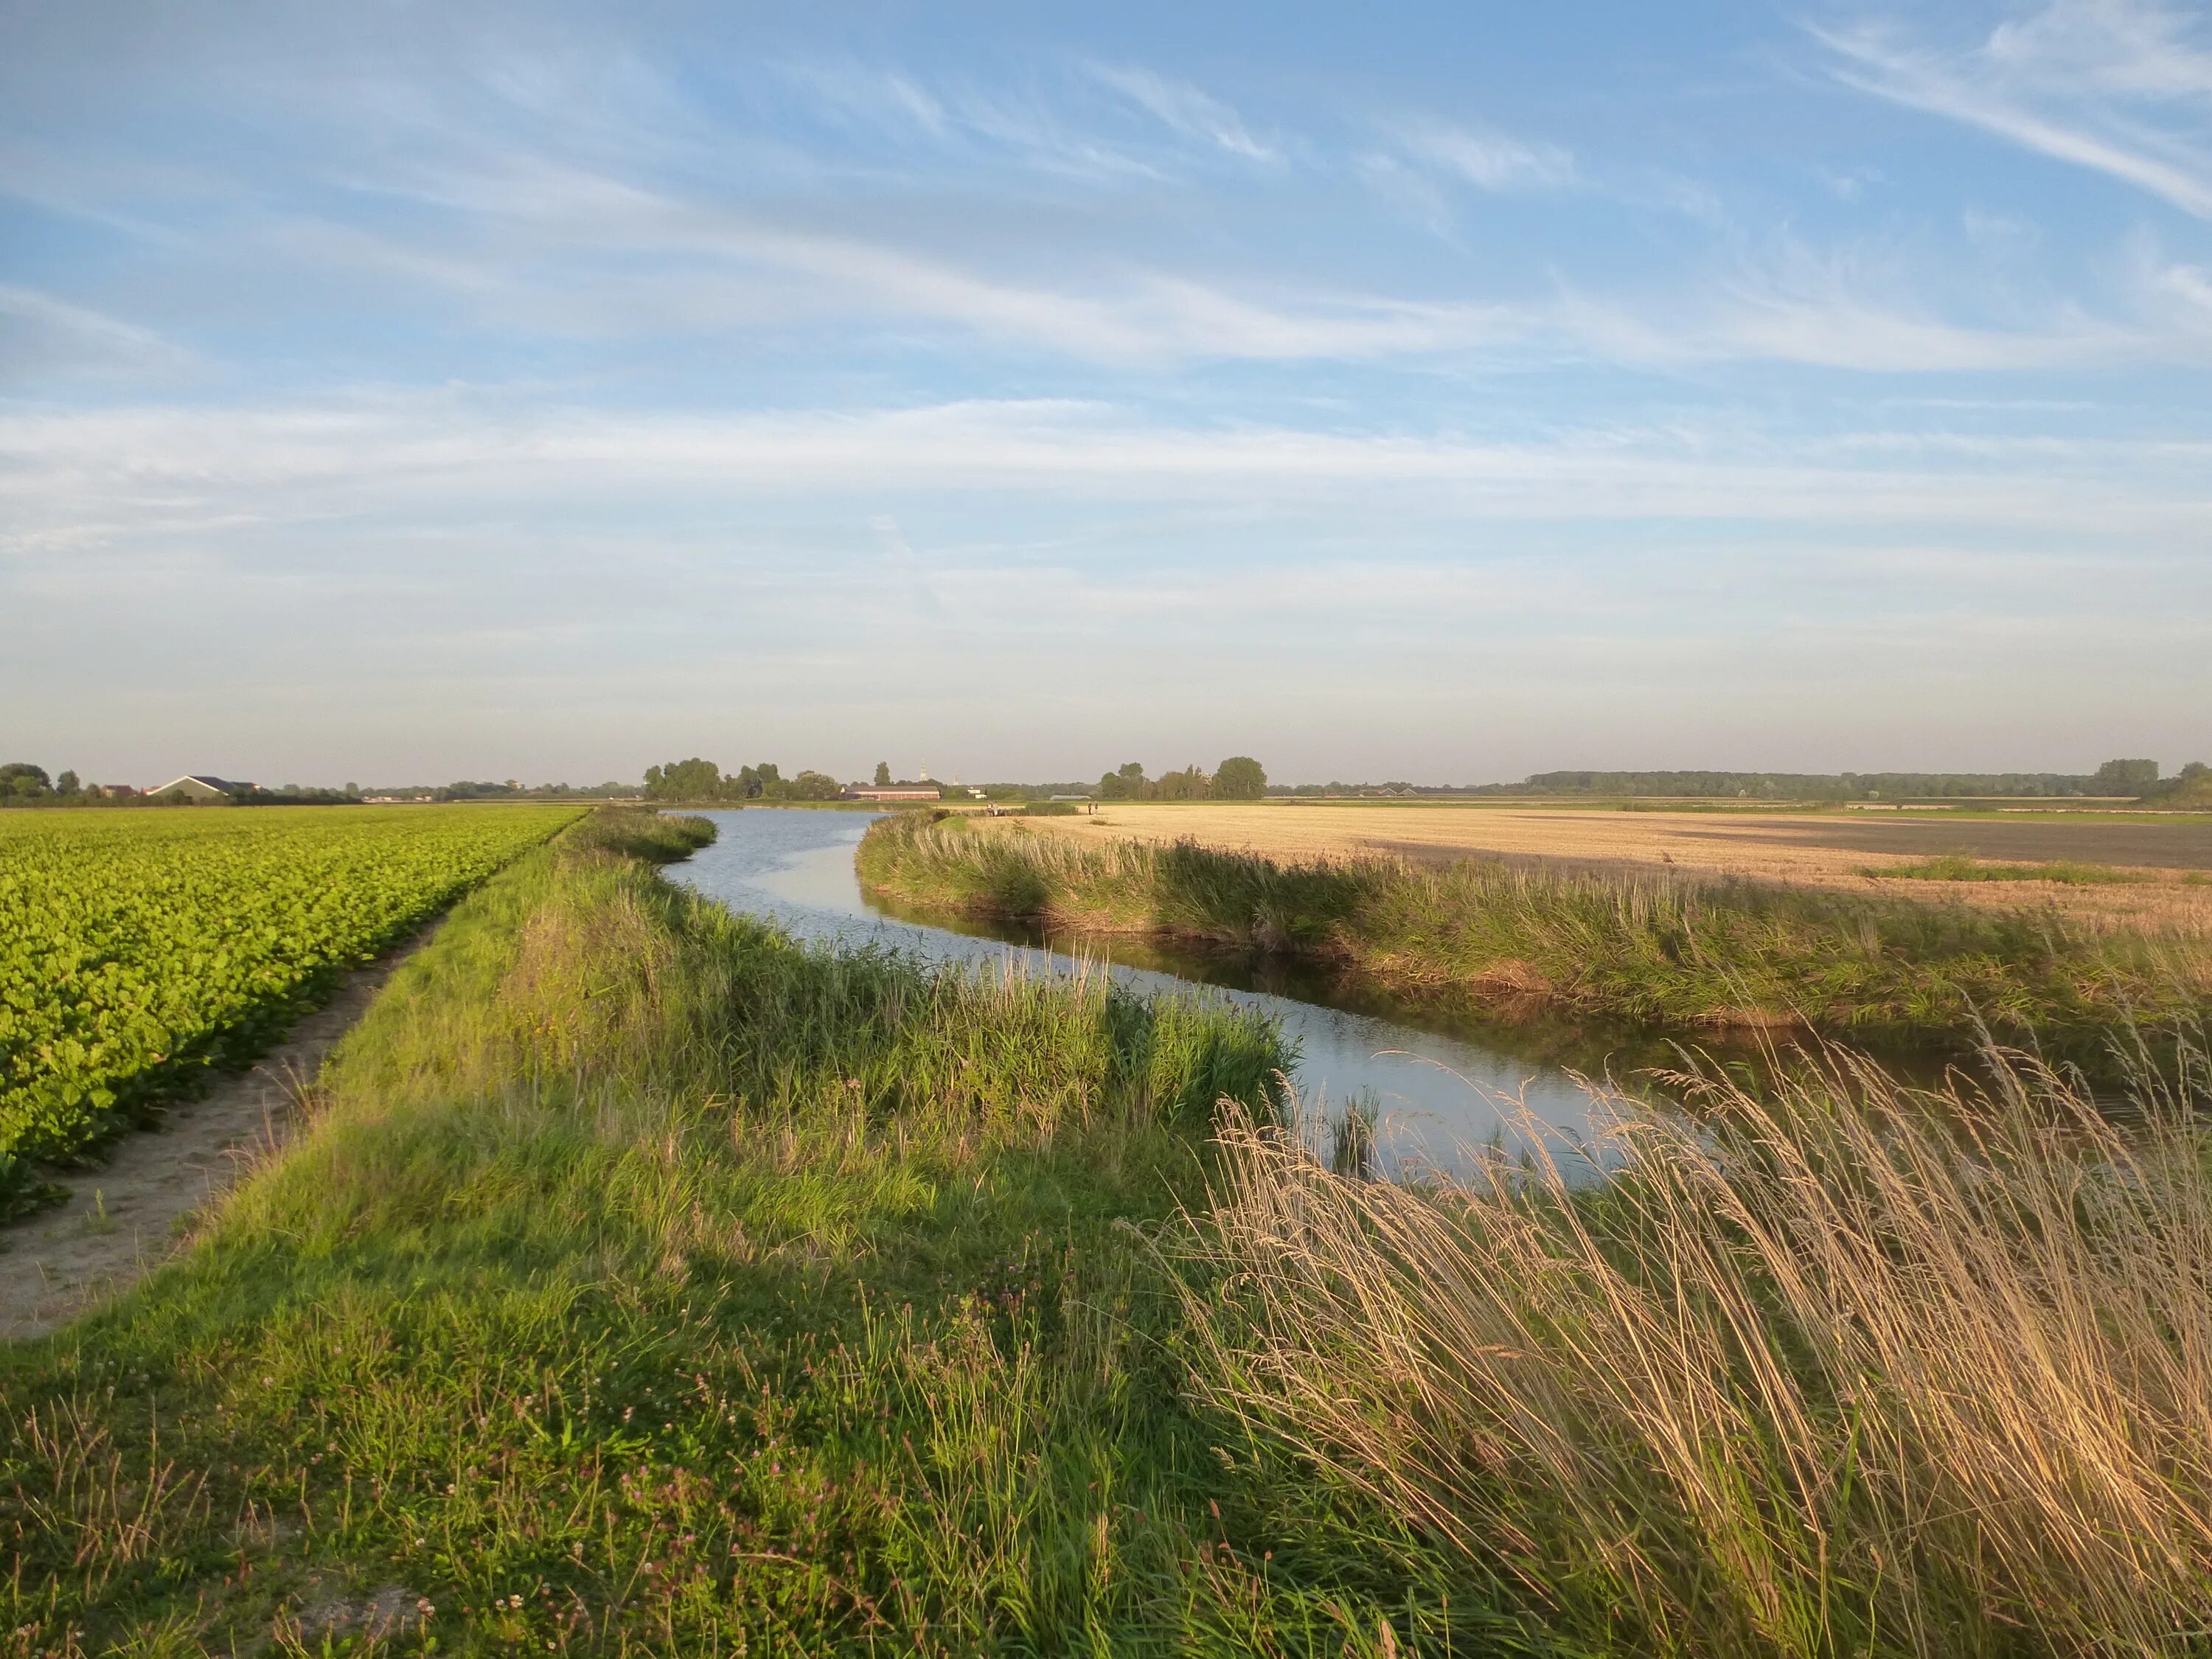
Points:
(2167, 860)
(1668, 951)
(641, 1282)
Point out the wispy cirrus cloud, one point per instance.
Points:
(1020, 125)
(152, 475)
(1490, 160)
(1182, 107)
(2120, 86)
(1106, 120)
(42, 333)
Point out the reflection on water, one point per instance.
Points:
(1436, 1089)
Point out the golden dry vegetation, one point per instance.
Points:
(1797, 848)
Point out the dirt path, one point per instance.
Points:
(122, 1221)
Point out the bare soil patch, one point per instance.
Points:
(124, 1219)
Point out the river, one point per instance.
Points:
(1440, 1091)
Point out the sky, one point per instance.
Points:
(402, 391)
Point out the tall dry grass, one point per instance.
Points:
(1858, 1370)
(1672, 951)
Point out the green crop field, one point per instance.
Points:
(136, 947)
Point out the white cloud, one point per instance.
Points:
(39, 334)
(2127, 47)
(1184, 107)
(1490, 160)
(2073, 81)
(167, 476)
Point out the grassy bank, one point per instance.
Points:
(644, 1282)
(1678, 952)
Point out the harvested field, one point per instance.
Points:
(1830, 851)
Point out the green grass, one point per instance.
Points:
(140, 950)
(1958, 866)
(646, 1282)
(1672, 952)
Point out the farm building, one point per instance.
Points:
(201, 785)
(897, 794)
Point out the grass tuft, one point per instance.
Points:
(1854, 1369)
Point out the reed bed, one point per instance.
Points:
(1671, 950)
(1775, 847)
(1855, 1369)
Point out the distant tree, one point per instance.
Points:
(815, 785)
(2126, 777)
(2191, 786)
(883, 774)
(754, 782)
(353, 789)
(21, 778)
(684, 780)
(1240, 778)
(1190, 784)
(67, 784)
(1126, 784)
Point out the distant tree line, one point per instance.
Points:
(1394, 788)
(1238, 778)
(2118, 777)
(22, 784)
(512, 789)
(697, 779)
(2134, 778)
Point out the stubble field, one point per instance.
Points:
(2165, 861)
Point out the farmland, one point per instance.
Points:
(137, 950)
(1852, 852)
(642, 1282)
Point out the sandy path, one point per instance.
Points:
(1833, 851)
(122, 1221)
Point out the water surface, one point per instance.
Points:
(1442, 1089)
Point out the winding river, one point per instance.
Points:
(1439, 1089)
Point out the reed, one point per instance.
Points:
(1670, 951)
(1855, 1369)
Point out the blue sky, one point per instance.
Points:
(395, 391)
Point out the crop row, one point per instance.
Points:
(138, 949)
